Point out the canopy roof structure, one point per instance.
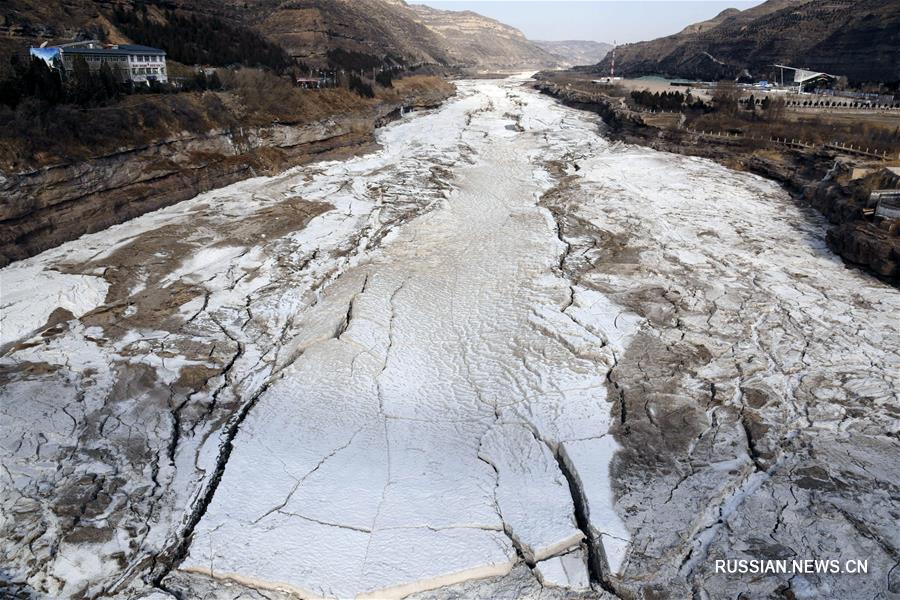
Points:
(805, 76)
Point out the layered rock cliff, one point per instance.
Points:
(46, 206)
(379, 28)
(473, 40)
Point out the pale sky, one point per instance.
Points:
(600, 20)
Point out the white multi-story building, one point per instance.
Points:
(138, 64)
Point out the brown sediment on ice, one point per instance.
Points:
(148, 259)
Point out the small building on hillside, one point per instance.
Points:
(129, 62)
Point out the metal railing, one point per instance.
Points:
(796, 143)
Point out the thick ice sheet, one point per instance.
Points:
(421, 445)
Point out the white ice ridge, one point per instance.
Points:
(439, 434)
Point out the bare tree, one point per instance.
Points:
(725, 97)
(776, 109)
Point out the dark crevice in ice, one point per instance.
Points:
(170, 559)
(597, 564)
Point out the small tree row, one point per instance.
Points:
(670, 101)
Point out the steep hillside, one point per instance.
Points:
(310, 31)
(306, 29)
(576, 52)
(856, 38)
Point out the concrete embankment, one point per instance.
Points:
(815, 177)
(46, 206)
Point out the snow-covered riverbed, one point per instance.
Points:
(410, 370)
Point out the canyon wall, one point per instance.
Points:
(45, 207)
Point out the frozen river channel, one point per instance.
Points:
(450, 395)
(499, 348)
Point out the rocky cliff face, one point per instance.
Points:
(854, 38)
(47, 206)
(415, 33)
(57, 203)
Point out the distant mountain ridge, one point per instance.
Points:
(576, 52)
(475, 40)
(859, 39)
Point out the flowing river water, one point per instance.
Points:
(499, 351)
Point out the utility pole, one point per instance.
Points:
(612, 68)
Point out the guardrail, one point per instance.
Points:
(795, 143)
